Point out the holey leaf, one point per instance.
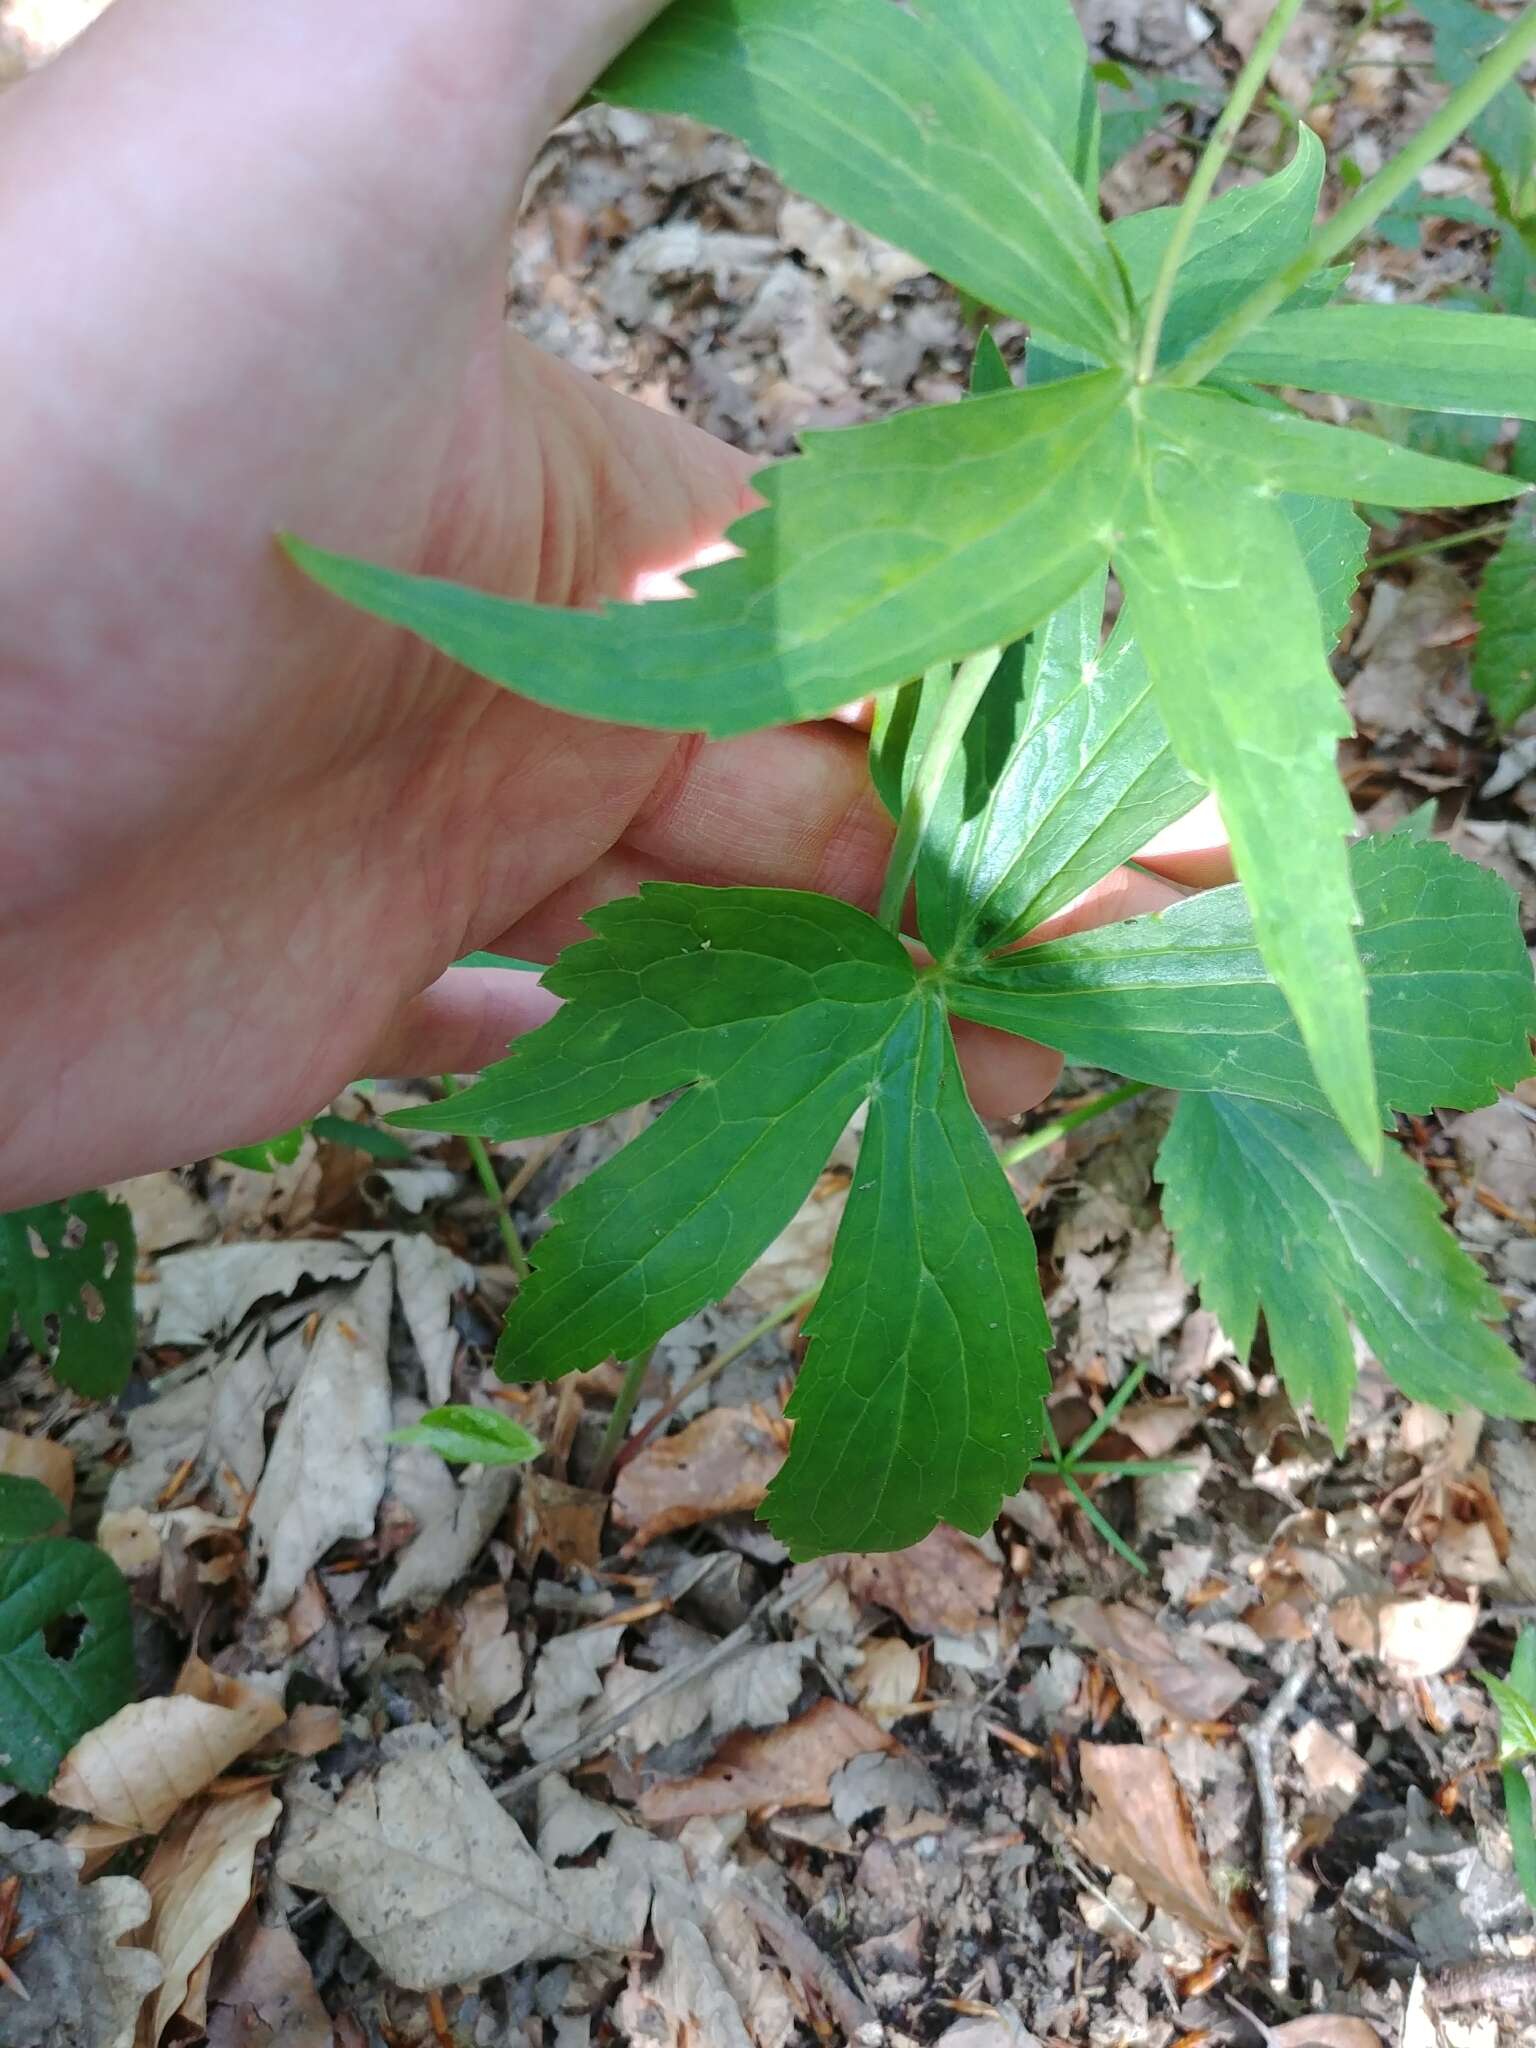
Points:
(777, 1014)
(66, 1268)
(881, 550)
(1272, 1209)
(952, 140)
(66, 1653)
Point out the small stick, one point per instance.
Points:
(717, 1365)
(1494, 1980)
(796, 1949)
(726, 1651)
(1260, 1739)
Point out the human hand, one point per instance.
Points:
(262, 257)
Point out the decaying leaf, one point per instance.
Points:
(485, 1671)
(1140, 1828)
(566, 1675)
(439, 1883)
(135, 1770)
(789, 1766)
(454, 1514)
(889, 1675)
(325, 1472)
(1416, 1637)
(261, 1993)
(83, 1986)
(1182, 1675)
(1324, 2030)
(755, 1690)
(944, 1586)
(199, 1881)
(559, 1520)
(722, 1464)
(35, 1457)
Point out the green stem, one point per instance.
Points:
(1250, 80)
(1464, 539)
(1071, 1120)
(618, 1422)
(717, 1365)
(1496, 71)
(965, 693)
(485, 1173)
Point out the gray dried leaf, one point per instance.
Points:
(82, 1986)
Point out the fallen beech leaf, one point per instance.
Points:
(566, 1521)
(485, 1670)
(35, 1457)
(1414, 1638)
(199, 1881)
(325, 1471)
(1332, 1772)
(135, 1770)
(439, 1883)
(262, 1995)
(1184, 1676)
(1324, 2030)
(944, 1586)
(890, 1674)
(1140, 1828)
(720, 1465)
(308, 1731)
(789, 1766)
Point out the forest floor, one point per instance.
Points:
(986, 1793)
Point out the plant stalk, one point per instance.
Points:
(485, 1173)
(717, 1365)
(1496, 71)
(1250, 81)
(1073, 1119)
(965, 693)
(618, 1422)
(1439, 546)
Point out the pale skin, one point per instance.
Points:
(255, 256)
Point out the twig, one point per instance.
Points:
(717, 1365)
(726, 1651)
(1495, 1980)
(1260, 1739)
(796, 1948)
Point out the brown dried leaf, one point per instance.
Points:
(890, 1674)
(789, 1766)
(34, 1457)
(1141, 1829)
(1414, 1638)
(199, 1881)
(720, 1465)
(944, 1586)
(1184, 1676)
(566, 1521)
(1324, 2030)
(262, 1995)
(135, 1770)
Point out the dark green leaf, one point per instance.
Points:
(882, 550)
(47, 1700)
(69, 1268)
(27, 1509)
(1182, 999)
(1282, 451)
(1399, 355)
(1218, 590)
(271, 1153)
(923, 1389)
(471, 1436)
(892, 121)
(1273, 1209)
(345, 1130)
(1066, 771)
(1504, 665)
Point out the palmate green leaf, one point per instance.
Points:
(923, 1389)
(882, 550)
(1442, 360)
(921, 133)
(778, 1014)
(1226, 617)
(1504, 664)
(1066, 771)
(67, 1268)
(1182, 999)
(47, 1700)
(1273, 1209)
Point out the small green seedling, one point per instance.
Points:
(1515, 1698)
(471, 1436)
(1073, 1466)
(954, 563)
